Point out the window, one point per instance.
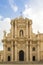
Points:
(21, 32)
(33, 49)
(9, 49)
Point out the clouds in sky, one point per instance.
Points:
(4, 25)
(13, 5)
(34, 10)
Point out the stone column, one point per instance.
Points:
(27, 58)
(38, 49)
(12, 29)
(4, 45)
(12, 40)
(16, 29)
(38, 53)
(30, 40)
(15, 51)
(26, 33)
(12, 51)
(30, 29)
(30, 52)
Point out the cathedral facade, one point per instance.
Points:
(21, 44)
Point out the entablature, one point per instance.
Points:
(22, 39)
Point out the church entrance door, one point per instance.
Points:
(21, 55)
(9, 58)
(33, 58)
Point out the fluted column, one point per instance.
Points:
(15, 51)
(27, 51)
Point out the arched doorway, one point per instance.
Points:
(9, 58)
(33, 58)
(21, 55)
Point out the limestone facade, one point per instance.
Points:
(21, 44)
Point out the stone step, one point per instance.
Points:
(22, 62)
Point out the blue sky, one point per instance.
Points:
(7, 7)
(10, 9)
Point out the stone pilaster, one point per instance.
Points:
(38, 53)
(15, 51)
(27, 29)
(27, 58)
(30, 51)
(12, 29)
(15, 29)
(4, 46)
(12, 51)
(12, 41)
(30, 40)
(38, 49)
(30, 29)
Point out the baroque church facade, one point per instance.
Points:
(21, 44)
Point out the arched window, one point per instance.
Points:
(9, 49)
(33, 49)
(21, 32)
